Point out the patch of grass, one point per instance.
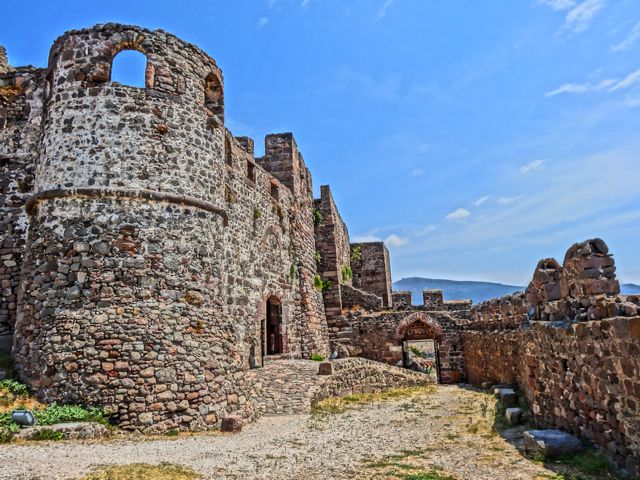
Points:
(430, 475)
(44, 434)
(172, 432)
(317, 358)
(586, 465)
(341, 404)
(143, 471)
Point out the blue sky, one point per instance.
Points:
(474, 137)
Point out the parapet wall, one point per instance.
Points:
(572, 343)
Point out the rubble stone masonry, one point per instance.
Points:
(155, 239)
(572, 343)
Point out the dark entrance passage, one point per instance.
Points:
(422, 356)
(274, 330)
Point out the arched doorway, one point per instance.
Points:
(420, 336)
(273, 329)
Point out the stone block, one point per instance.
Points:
(513, 416)
(486, 385)
(231, 424)
(551, 443)
(508, 397)
(325, 368)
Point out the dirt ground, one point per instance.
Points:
(448, 431)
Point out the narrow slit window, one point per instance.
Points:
(274, 191)
(251, 171)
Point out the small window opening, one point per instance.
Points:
(251, 171)
(214, 101)
(274, 191)
(228, 156)
(129, 67)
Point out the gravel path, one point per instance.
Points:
(446, 429)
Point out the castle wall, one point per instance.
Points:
(571, 342)
(156, 239)
(20, 119)
(372, 271)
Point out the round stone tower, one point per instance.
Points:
(123, 298)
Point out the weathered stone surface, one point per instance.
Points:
(551, 443)
(231, 424)
(69, 431)
(513, 415)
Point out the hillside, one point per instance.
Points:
(476, 291)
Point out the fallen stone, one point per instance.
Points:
(508, 397)
(69, 430)
(232, 424)
(325, 368)
(513, 416)
(486, 385)
(551, 443)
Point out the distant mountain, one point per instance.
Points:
(454, 289)
(630, 289)
(476, 291)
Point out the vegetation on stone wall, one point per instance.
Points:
(317, 217)
(346, 273)
(356, 253)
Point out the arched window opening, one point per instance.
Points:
(214, 101)
(129, 67)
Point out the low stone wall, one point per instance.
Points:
(359, 375)
(572, 343)
(355, 298)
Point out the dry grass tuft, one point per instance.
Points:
(143, 471)
(341, 404)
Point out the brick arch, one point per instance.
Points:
(419, 319)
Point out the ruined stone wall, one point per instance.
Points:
(21, 91)
(372, 271)
(379, 336)
(155, 239)
(571, 342)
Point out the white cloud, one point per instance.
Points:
(481, 201)
(629, 80)
(632, 37)
(558, 4)
(426, 230)
(367, 237)
(579, 18)
(394, 240)
(578, 88)
(416, 172)
(531, 166)
(263, 22)
(383, 9)
(459, 214)
(510, 200)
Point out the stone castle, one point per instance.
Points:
(151, 265)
